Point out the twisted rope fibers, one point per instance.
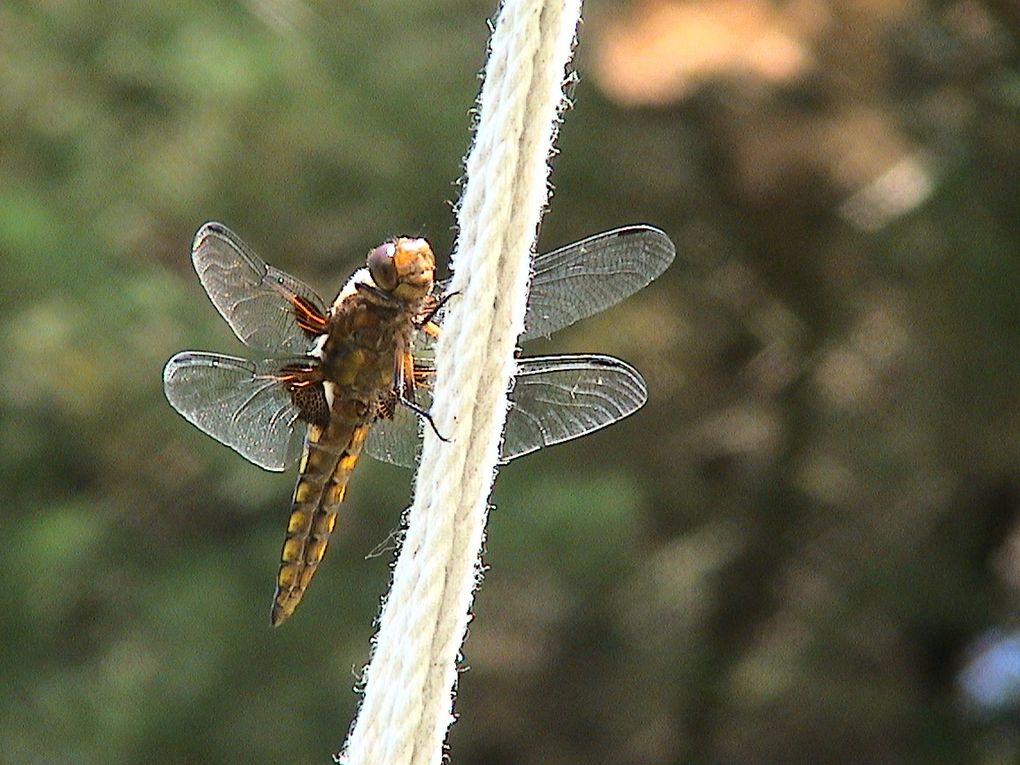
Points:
(407, 705)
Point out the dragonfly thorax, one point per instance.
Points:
(365, 333)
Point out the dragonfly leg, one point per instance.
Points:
(431, 313)
(425, 415)
(403, 390)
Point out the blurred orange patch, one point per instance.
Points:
(662, 50)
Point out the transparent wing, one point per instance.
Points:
(242, 404)
(268, 309)
(559, 398)
(397, 440)
(587, 277)
(554, 399)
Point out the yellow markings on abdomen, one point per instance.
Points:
(305, 491)
(321, 487)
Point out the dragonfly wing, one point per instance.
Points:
(268, 309)
(587, 277)
(242, 404)
(554, 399)
(397, 439)
(559, 398)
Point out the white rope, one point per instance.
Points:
(407, 705)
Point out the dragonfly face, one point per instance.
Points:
(356, 376)
(405, 267)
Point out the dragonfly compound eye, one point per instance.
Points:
(381, 266)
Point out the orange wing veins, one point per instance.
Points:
(308, 316)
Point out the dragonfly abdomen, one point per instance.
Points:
(329, 457)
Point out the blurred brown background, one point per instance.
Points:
(805, 549)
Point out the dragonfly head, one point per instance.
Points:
(405, 268)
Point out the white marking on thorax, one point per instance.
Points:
(318, 344)
(361, 276)
(318, 351)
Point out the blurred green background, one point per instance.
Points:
(805, 549)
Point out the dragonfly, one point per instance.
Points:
(354, 376)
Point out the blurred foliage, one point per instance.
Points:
(785, 557)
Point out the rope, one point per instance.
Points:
(407, 705)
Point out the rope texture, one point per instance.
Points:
(407, 705)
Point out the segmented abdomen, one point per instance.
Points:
(330, 455)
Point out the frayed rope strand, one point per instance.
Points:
(407, 709)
